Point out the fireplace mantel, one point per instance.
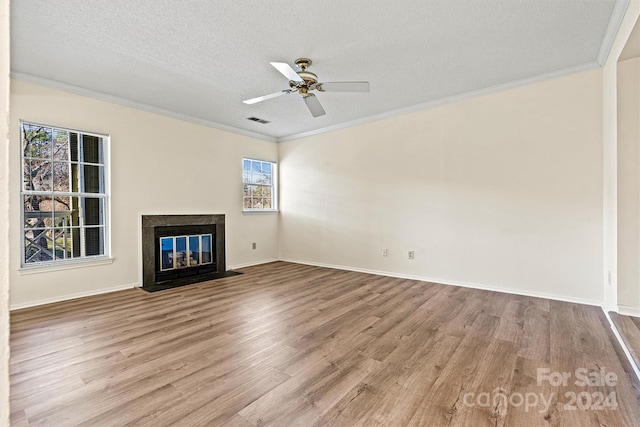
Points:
(152, 223)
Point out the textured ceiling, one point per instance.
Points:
(200, 59)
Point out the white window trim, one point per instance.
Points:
(87, 261)
(68, 264)
(274, 188)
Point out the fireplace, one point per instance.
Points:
(179, 250)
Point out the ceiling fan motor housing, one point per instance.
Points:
(308, 77)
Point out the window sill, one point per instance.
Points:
(260, 211)
(64, 265)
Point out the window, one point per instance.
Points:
(64, 215)
(259, 180)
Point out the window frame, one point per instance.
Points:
(105, 196)
(273, 186)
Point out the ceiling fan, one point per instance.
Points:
(304, 82)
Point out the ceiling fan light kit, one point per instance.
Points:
(304, 81)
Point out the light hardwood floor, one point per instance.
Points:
(293, 345)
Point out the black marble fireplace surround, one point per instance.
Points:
(156, 226)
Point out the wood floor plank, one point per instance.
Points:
(291, 344)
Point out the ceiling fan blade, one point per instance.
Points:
(314, 105)
(343, 87)
(286, 70)
(265, 97)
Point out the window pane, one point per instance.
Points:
(256, 203)
(92, 149)
(247, 203)
(63, 243)
(257, 178)
(246, 190)
(166, 249)
(181, 252)
(194, 250)
(266, 168)
(255, 166)
(37, 211)
(37, 175)
(61, 177)
(71, 207)
(206, 249)
(246, 165)
(73, 146)
(266, 192)
(72, 239)
(94, 241)
(93, 211)
(62, 211)
(60, 144)
(267, 203)
(246, 177)
(93, 182)
(38, 245)
(36, 141)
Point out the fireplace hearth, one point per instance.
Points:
(179, 250)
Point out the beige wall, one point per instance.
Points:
(629, 184)
(4, 212)
(502, 191)
(610, 155)
(158, 165)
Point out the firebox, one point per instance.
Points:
(182, 249)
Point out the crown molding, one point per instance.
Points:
(382, 116)
(66, 87)
(447, 100)
(619, 10)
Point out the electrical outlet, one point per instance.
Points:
(385, 252)
(253, 245)
(411, 255)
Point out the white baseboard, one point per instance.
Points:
(555, 297)
(564, 298)
(251, 264)
(625, 349)
(71, 296)
(68, 297)
(628, 310)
